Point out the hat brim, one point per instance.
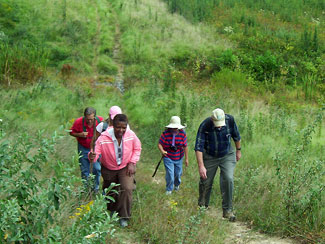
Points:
(219, 123)
(175, 126)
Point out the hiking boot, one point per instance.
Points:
(168, 192)
(123, 223)
(229, 215)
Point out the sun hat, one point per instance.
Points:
(218, 117)
(114, 110)
(175, 123)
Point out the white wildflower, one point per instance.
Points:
(228, 29)
(316, 21)
(91, 236)
(2, 35)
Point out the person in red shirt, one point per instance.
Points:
(83, 130)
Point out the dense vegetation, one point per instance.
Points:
(261, 61)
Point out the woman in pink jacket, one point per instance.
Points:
(120, 150)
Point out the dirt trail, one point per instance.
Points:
(241, 234)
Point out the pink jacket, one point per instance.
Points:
(105, 147)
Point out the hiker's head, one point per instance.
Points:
(113, 111)
(175, 124)
(120, 123)
(90, 114)
(218, 117)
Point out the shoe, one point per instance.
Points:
(168, 192)
(123, 223)
(229, 215)
(176, 188)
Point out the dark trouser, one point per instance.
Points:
(85, 167)
(227, 166)
(123, 200)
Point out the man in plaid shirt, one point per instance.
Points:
(213, 149)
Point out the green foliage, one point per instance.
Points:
(69, 32)
(193, 10)
(40, 200)
(22, 62)
(106, 66)
(301, 181)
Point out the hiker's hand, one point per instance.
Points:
(164, 153)
(92, 156)
(238, 155)
(186, 162)
(130, 169)
(203, 172)
(84, 134)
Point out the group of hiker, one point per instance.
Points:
(111, 149)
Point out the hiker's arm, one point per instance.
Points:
(131, 167)
(161, 149)
(202, 169)
(238, 152)
(79, 134)
(186, 156)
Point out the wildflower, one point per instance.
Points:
(316, 21)
(71, 121)
(228, 29)
(2, 35)
(0, 120)
(6, 236)
(173, 203)
(90, 236)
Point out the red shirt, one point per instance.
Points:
(77, 128)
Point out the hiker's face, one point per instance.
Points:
(119, 129)
(90, 119)
(174, 130)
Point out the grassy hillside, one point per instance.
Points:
(54, 63)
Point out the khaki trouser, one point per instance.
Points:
(227, 166)
(123, 200)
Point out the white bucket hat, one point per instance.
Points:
(175, 123)
(218, 117)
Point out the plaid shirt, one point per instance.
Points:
(216, 141)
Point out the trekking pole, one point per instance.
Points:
(92, 148)
(157, 166)
(93, 141)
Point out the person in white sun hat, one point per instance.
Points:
(213, 149)
(173, 146)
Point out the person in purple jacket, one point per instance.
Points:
(173, 146)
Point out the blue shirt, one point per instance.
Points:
(216, 141)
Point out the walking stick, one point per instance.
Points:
(92, 148)
(157, 166)
(93, 140)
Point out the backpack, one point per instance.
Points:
(105, 125)
(83, 123)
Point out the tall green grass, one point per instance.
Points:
(71, 32)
